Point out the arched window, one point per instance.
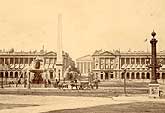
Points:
(6, 74)
(11, 74)
(137, 75)
(1, 74)
(133, 75)
(128, 76)
(16, 74)
(51, 75)
(143, 75)
(101, 76)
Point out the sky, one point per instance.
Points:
(88, 25)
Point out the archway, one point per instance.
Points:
(133, 75)
(137, 75)
(11, 74)
(128, 75)
(143, 75)
(16, 74)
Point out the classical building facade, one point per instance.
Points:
(107, 65)
(12, 64)
(84, 64)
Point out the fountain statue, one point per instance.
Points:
(37, 69)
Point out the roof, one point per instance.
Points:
(103, 53)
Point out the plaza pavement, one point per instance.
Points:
(49, 103)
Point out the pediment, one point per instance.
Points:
(85, 58)
(107, 53)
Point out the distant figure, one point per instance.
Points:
(25, 82)
(18, 82)
(45, 83)
(96, 83)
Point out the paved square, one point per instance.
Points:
(49, 103)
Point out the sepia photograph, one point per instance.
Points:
(82, 56)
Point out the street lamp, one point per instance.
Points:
(124, 72)
(153, 86)
(1, 80)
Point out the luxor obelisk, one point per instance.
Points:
(59, 61)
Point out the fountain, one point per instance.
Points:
(37, 68)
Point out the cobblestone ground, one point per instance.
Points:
(50, 103)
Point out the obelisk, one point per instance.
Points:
(59, 61)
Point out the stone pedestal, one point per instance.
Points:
(153, 90)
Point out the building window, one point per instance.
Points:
(143, 75)
(11, 61)
(101, 76)
(138, 75)
(26, 60)
(6, 61)
(142, 60)
(21, 60)
(1, 74)
(106, 76)
(122, 61)
(16, 74)
(128, 76)
(148, 75)
(51, 75)
(133, 76)
(137, 60)
(111, 75)
(102, 63)
(11, 74)
(122, 75)
(2, 61)
(6, 74)
(16, 61)
(132, 60)
(107, 63)
(127, 60)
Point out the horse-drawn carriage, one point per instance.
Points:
(79, 85)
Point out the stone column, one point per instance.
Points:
(140, 75)
(130, 75)
(28, 79)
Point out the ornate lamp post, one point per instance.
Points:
(153, 86)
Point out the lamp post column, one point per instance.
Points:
(153, 86)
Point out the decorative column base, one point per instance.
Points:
(153, 90)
